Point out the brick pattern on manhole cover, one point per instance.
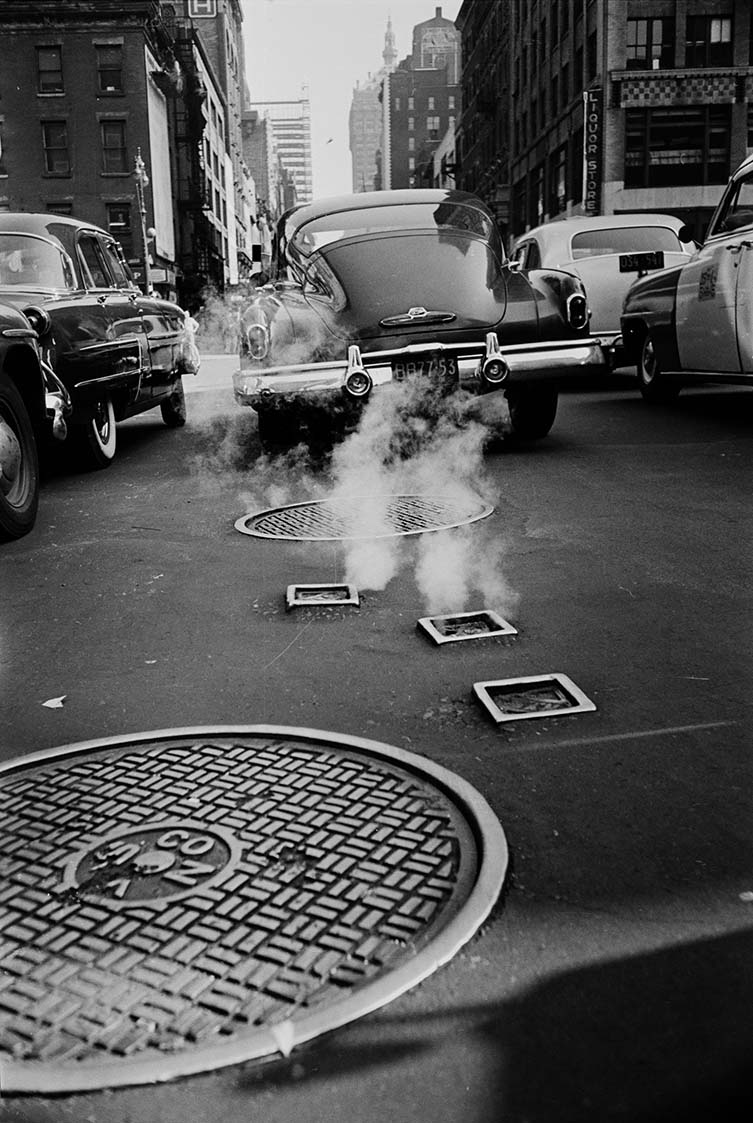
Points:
(175, 902)
(343, 517)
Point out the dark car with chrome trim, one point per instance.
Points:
(28, 400)
(406, 286)
(110, 349)
(694, 322)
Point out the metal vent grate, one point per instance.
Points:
(343, 517)
(515, 699)
(315, 596)
(466, 625)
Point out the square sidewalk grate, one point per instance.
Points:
(514, 699)
(485, 624)
(299, 596)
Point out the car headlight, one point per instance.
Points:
(39, 319)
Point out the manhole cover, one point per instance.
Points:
(178, 901)
(300, 596)
(513, 699)
(363, 516)
(466, 625)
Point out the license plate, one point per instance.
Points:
(432, 366)
(640, 262)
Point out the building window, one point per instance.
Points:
(55, 143)
(50, 70)
(110, 70)
(592, 57)
(397, 103)
(119, 225)
(411, 124)
(114, 153)
(565, 21)
(431, 104)
(650, 44)
(432, 124)
(411, 103)
(451, 101)
(411, 143)
(565, 83)
(557, 199)
(677, 146)
(709, 41)
(411, 163)
(3, 166)
(61, 206)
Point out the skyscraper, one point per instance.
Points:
(365, 122)
(291, 124)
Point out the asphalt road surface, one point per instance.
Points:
(613, 981)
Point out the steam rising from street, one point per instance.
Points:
(411, 440)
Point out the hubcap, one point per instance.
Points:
(102, 422)
(649, 361)
(10, 459)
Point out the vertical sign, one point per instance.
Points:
(592, 136)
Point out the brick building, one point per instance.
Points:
(420, 99)
(639, 106)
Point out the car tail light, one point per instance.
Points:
(38, 318)
(357, 379)
(494, 367)
(257, 341)
(578, 313)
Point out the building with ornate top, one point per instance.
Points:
(365, 120)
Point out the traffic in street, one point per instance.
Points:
(616, 958)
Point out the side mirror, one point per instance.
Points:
(685, 234)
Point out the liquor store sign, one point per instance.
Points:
(593, 125)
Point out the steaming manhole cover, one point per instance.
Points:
(363, 516)
(174, 902)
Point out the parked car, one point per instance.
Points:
(695, 321)
(389, 286)
(607, 252)
(28, 400)
(115, 350)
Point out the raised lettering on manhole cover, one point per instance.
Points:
(178, 901)
(343, 517)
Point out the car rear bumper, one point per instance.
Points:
(327, 383)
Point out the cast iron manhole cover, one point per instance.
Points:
(363, 516)
(177, 901)
(302, 596)
(486, 624)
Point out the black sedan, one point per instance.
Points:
(113, 350)
(406, 286)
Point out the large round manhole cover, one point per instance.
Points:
(177, 901)
(364, 516)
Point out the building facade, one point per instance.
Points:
(365, 120)
(603, 108)
(291, 124)
(419, 103)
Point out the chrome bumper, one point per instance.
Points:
(262, 387)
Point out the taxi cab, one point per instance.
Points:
(695, 321)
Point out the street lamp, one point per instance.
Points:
(142, 181)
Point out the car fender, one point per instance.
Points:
(20, 360)
(552, 288)
(650, 305)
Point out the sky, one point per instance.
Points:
(329, 45)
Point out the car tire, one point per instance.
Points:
(277, 428)
(654, 386)
(173, 407)
(19, 484)
(95, 441)
(532, 411)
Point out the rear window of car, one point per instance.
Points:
(311, 236)
(27, 262)
(624, 239)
